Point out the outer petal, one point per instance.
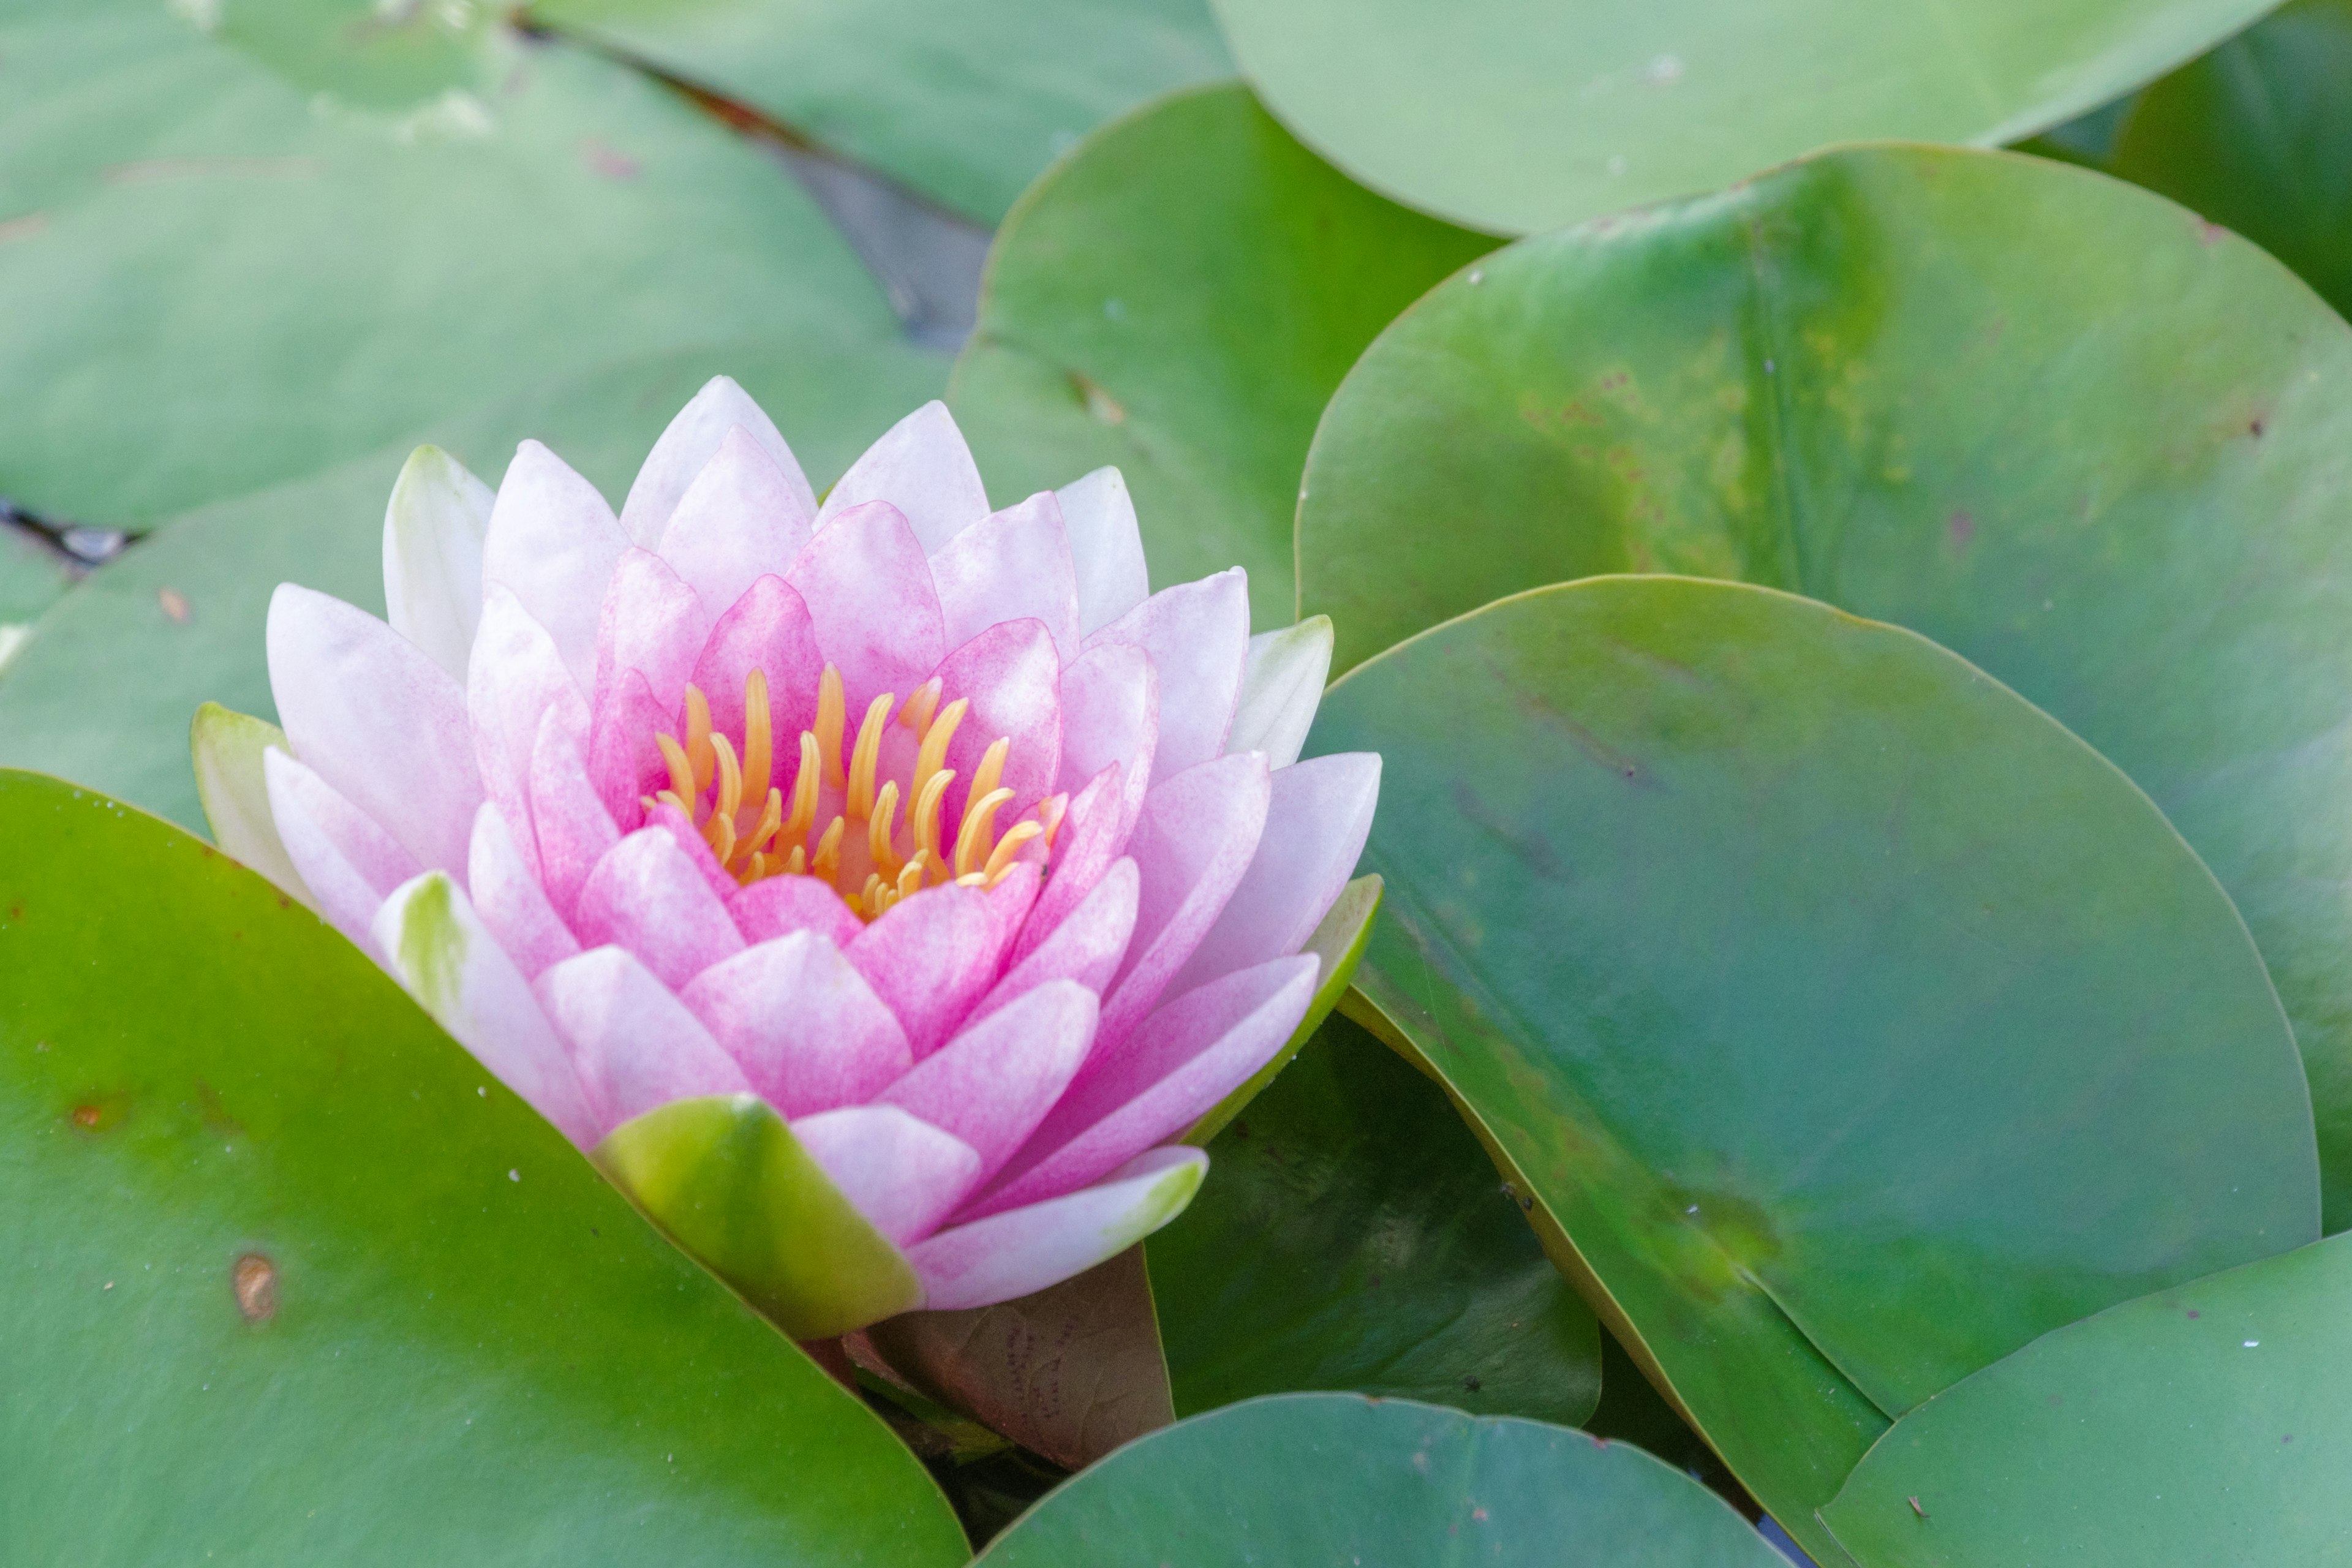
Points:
(685, 449)
(1315, 822)
(635, 1045)
(1185, 1059)
(625, 761)
(1197, 637)
(646, 896)
(922, 467)
(1085, 947)
(347, 861)
(869, 594)
(1025, 1250)
(652, 623)
(696, 849)
(743, 517)
(554, 542)
(1092, 834)
(569, 825)
(993, 1083)
(1197, 835)
(509, 900)
(779, 906)
(378, 721)
(516, 680)
(227, 748)
(1012, 678)
(433, 533)
(767, 628)
(1013, 565)
(1282, 685)
(446, 957)
(929, 958)
(808, 1031)
(1106, 547)
(902, 1173)
(1110, 713)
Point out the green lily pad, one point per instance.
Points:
(1335, 1477)
(1179, 297)
(963, 103)
(2121, 485)
(2205, 1424)
(1855, 1022)
(1516, 115)
(293, 1279)
(1353, 1235)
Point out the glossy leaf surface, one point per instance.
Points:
(1856, 1023)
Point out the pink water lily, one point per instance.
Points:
(925, 824)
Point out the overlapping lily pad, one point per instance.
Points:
(293, 1279)
(1855, 1022)
(1180, 298)
(1333, 1478)
(1516, 115)
(2121, 484)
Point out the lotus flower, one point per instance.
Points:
(879, 889)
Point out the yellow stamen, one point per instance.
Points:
(682, 787)
(925, 821)
(991, 772)
(754, 869)
(916, 714)
(803, 817)
(910, 877)
(973, 839)
(796, 863)
(1050, 812)
(869, 898)
(832, 712)
(670, 797)
(721, 834)
(826, 861)
(860, 791)
(698, 737)
(1017, 834)
(759, 742)
(771, 817)
(879, 848)
(931, 755)
(731, 784)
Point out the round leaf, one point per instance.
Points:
(2122, 484)
(1334, 1478)
(1854, 1021)
(292, 1279)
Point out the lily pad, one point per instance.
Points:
(2204, 1424)
(293, 1279)
(1516, 115)
(1335, 1477)
(1853, 1022)
(1353, 1236)
(1179, 297)
(2122, 485)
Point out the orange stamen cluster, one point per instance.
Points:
(757, 828)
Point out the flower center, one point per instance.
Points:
(757, 830)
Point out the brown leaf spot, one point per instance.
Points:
(174, 603)
(254, 1281)
(100, 1112)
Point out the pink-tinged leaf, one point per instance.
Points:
(994, 1082)
(693, 440)
(653, 624)
(1091, 837)
(1106, 547)
(1021, 1250)
(779, 906)
(921, 466)
(808, 1031)
(1110, 713)
(1012, 678)
(570, 825)
(382, 723)
(344, 857)
(646, 896)
(635, 1044)
(740, 521)
(768, 629)
(554, 542)
(1086, 947)
(1011, 565)
(508, 898)
(902, 1173)
(869, 594)
(929, 959)
(1197, 637)
(516, 681)
(624, 759)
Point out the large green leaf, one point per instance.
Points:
(965, 103)
(1516, 115)
(1353, 1236)
(1180, 298)
(227, 269)
(1335, 1478)
(2204, 1425)
(1854, 1021)
(2122, 484)
(292, 1280)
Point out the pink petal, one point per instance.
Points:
(624, 760)
(1014, 565)
(697, 849)
(653, 624)
(569, 825)
(635, 1044)
(1282, 685)
(807, 1031)
(554, 542)
(511, 901)
(742, 519)
(869, 594)
(1197, 835)
(344, 857)
(1186, 1058)
(1197, 637)
(922, 468)
(378, 721)
(446, 957)
(1110, 713)
(929, 958)
(1317, 818)
(686, 449)
(1022, 1250)
(516, 681)
(778, 906)
(1091, 836)
(1012, 678)
(993, 1083)
(767, 628)
(1106, 547)
(901, 1173)
(646, 896)
(1085, 947)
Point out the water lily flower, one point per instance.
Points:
(879, 889)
